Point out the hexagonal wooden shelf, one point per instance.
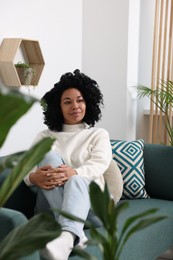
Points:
(8, 50)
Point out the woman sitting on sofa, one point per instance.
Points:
(81, 154)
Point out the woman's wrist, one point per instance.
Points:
(31, 179)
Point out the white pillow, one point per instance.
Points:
(114, 180)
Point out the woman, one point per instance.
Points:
(81, 154)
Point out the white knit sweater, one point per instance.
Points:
(86, 149)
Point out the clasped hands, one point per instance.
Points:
(47, 177)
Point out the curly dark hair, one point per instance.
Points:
(90, 91)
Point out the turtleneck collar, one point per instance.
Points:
(73, 128)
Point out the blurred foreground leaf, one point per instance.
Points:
(108, 240)
(13, 105)
(29, 237)
(25, 164)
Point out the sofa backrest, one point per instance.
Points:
(158, 166)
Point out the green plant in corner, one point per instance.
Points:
(162, 97)
(42, 228)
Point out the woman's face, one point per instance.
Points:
(73, 106)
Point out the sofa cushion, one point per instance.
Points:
(158, 164)
(9, 220)
(148, 243)
(129, 157)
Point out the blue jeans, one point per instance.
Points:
(73, 198)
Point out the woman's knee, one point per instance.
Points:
(77, 181)
(51, 158)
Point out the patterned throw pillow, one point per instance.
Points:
(129, 157)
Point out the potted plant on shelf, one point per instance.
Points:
(162, 97)
(25, 73)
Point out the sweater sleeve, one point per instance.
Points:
(99, 159)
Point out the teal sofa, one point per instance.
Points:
(146, 244)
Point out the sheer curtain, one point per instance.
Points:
(162, 65)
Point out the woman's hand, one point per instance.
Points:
(62, 173)
(48, 178)
(67, 170)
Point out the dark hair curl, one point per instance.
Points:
(90, 91)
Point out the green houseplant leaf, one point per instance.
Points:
(10, 161)
(13, 105)
(162, 97)
(42, 228)
(83, 254)
(29, 237)
(100, 202)
(109, 241)
(27, 161)
(139, 223)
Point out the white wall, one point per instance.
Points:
(57, 25)
(145, 64)
(92, 35)
(132, 67)
(104, 57)
(112, 29)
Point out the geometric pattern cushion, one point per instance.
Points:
(129, 157)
